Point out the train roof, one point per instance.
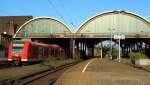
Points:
(37, 43)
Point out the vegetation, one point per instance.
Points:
(97, 51)
(54, 62)
(105, 50)
(137, 55)
(49, 62)
(114, 53)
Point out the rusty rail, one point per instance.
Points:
(33, 77)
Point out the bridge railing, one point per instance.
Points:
(44, 35)
(82, 35)
(106, 35)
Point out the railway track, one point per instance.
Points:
(2, 66)
(9, 65)
(35, 77)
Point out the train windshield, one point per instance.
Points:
(17, 46)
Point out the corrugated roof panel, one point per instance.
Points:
(43, 27)
(122, 22)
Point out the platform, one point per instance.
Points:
(103, 72)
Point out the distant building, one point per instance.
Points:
(10, 24)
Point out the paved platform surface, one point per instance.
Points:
(103, 72)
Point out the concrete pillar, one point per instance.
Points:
(141, 45)
(101, 49)
(85, 49)
(77, 45)
(72, 48)
(89, 49)
(77, 52)
(82, 46)
(93, 50)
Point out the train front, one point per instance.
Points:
(15, 52)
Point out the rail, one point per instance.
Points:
(33, 77)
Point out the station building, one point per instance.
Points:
(8, 27)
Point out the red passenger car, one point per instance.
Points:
(25, 52)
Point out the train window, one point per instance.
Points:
(49, 51)
(17, 47)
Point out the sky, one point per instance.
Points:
(71, 12)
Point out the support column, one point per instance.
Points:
(72, 48)
(85, 49)
(92, 50)
(101, 49)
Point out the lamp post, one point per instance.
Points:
(119, 37)
(111, 29)
(119, 57)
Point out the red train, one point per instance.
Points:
(20, 52)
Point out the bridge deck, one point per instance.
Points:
(103, 72)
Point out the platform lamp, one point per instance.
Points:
(4, 32)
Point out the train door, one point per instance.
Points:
(40, 51)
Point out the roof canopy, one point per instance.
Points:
(101, 25)
(43, 27)
(114, 22)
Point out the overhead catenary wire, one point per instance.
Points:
(55, 9)
(66, 13)
(59, 14)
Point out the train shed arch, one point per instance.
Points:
(43, 27)
(114, 22)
